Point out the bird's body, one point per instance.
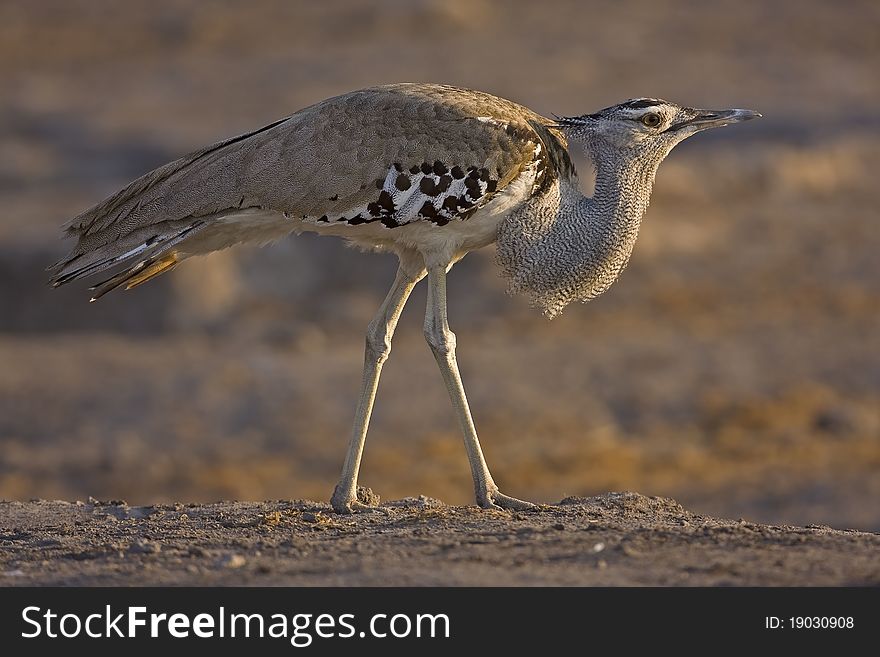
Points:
(428, 172)
(416, 158)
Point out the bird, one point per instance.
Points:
(428, 172)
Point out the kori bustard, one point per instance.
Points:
(425, 171)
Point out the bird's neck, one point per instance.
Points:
(622, 191)
(564, 246)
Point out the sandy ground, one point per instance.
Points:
(615, 539)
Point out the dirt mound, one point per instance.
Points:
(613, 539)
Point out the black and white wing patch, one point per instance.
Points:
(432, 192)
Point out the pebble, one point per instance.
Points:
(233, 561)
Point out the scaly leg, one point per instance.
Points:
(378, 347)
(442, 342)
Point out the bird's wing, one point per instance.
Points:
(414, 152)
(393, 154)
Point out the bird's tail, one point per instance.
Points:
(154, 250)
(139, 273)
(191, 206)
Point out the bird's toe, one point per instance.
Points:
(512, 503)
(498, 500)
(351, 506)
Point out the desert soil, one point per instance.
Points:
(614, 539)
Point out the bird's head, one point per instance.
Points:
(647, 124)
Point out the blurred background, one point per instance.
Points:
(734, 366)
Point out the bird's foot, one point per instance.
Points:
(498, 500)
(364, 501)
(350, 507)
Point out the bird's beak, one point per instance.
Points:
(704, 119)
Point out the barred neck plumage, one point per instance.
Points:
(563, 246)
(623, 186)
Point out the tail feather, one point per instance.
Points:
(136, 275)
(149, 216)
(92, 266)
(160, 256)
(159, 267)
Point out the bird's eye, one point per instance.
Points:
(651, 120)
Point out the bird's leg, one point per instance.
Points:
(442, 342)
(378, 347)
